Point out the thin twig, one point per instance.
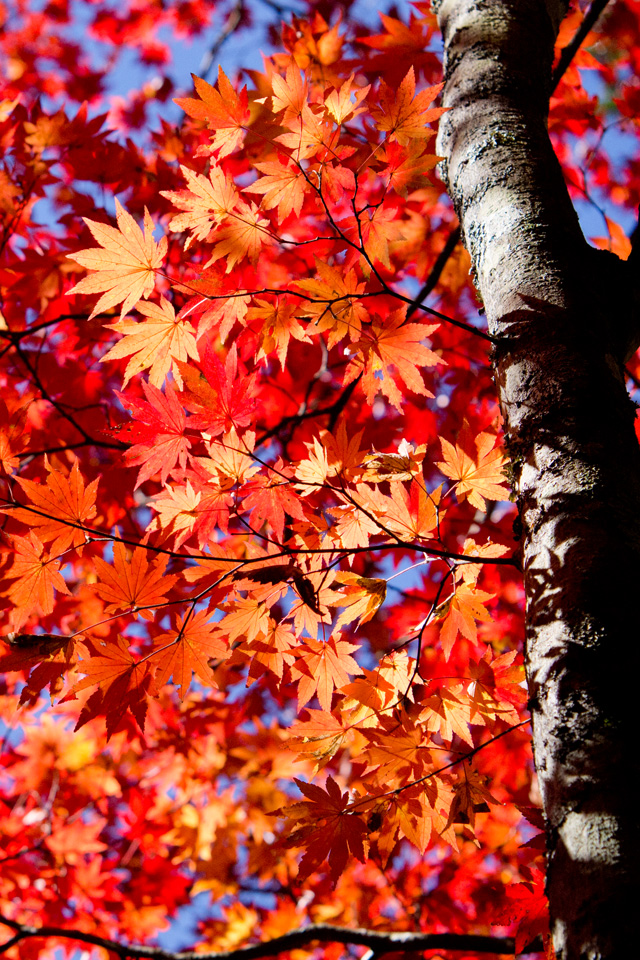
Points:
(575, 43)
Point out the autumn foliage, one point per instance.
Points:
(262, 603)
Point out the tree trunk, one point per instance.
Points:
(564, 318)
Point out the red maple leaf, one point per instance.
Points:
(220, 397)
(159, 443)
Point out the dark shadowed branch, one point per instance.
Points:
(378, 942)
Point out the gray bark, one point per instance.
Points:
(565, 320)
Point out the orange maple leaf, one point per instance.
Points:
(309, 135)
(278, 324)
(36, 575)
(339, 102)
(403, 114)
(397, 755)
(389, 345)
(223, 110)
(400, 38)
(158, 343)
(177, 511)
(461, 612)
(371, 231)
(284, 186)
(320, 737)
(133, 584)
(125, 266)
(243, 234)
(333, 303)
(206, 203)
(289, 93)
(187, 650)
(122, 683)
(323, 666)
(407, 167)
(247, 618)
(476, 464)
(362, 596)
(59, 507)
(271, 651)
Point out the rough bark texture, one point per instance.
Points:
(565, 318)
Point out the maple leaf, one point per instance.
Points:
(133, 584)
(230, 458)
(310, 135)
(407, 167)
(470, 796)
(59, 508)
(14, 439)
(76, 839)
(177, 511)
(206, 203)
(125, 266)
(400, 38)
(402, 113)
(271, 650)
(469, 572)
(339, 102)
(460, 613)
(284, 186)
(37, 574)
(334, 303)
(446, 714)
(476, 464)
(332, 834)
(324, 666)
(270, 498)
(362, 596)
(353, 527)
(321, 736)
(289, 93)
(243, 234)
(220, 397)
(397, 755)
(370, 231)
(410, 515)
(159, 343)
(158, 433)
(187, 649)
(122, 682)
(224, 111)
(390, 345)
(526, 905)
(278, 324)
(247, 618)
(405, 464)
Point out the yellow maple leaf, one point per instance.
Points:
(125, 264)
(156, 343)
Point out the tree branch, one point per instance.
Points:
(380, 943)
(569, 52)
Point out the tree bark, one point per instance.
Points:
(565, 321)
